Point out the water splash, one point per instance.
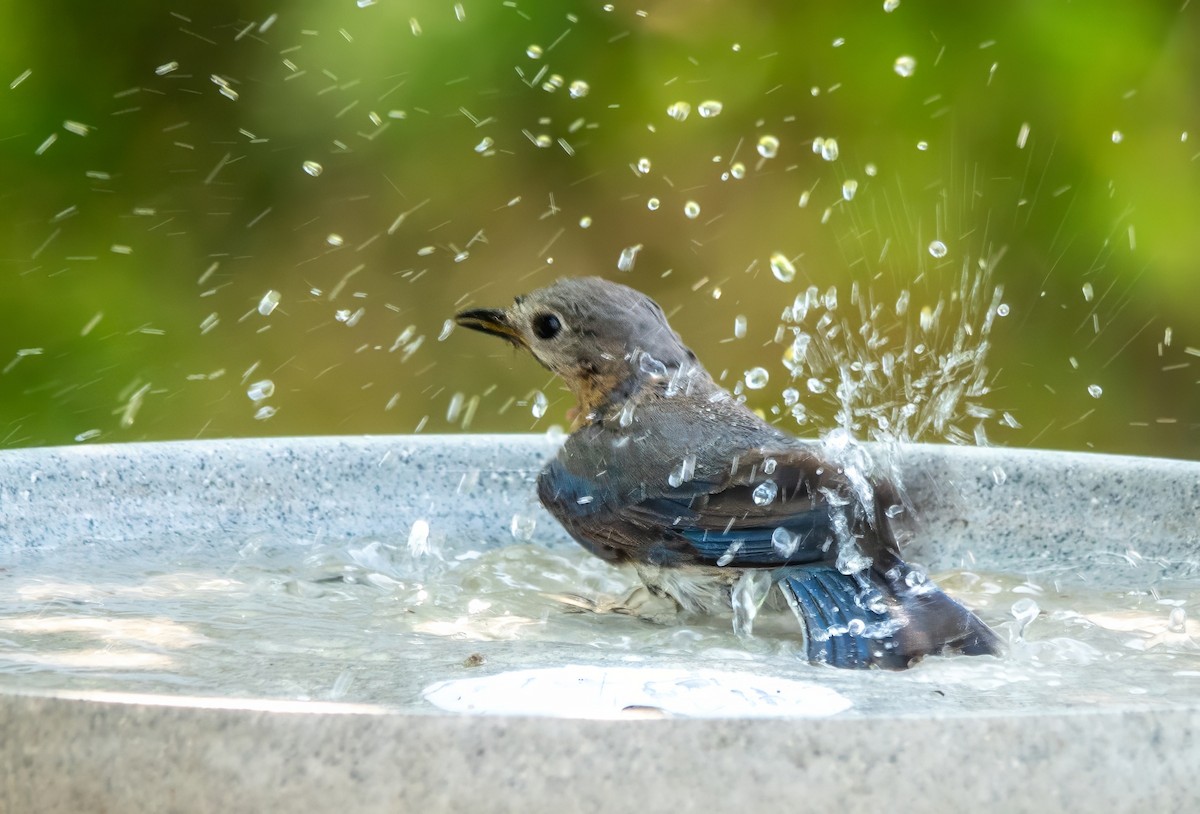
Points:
(883, 373)
(749, 593)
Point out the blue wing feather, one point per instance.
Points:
(755, 546)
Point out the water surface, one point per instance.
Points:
(371, 622)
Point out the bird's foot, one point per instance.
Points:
(640, 602)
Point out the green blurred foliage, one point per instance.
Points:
(134, 257)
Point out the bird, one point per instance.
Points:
(668, 471)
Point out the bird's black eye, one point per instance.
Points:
(546, 326)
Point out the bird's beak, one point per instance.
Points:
(490, 321)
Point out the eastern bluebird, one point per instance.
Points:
(668, 471)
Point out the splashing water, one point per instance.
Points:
(882, 373)
(768, 146)
(748, 595)
(765, 492)
(905, 66)
(782, 268)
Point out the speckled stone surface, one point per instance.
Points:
(994, 508)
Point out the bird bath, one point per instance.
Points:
(393, 623)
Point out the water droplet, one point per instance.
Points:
(849, 187)
(652, 204)
(264, 412)
(1095, 391)
(1024, 611)
(1023, 135)
(552, 83)
(1087, 292)
(871, 170)
(926, 319)
(738, 170)
(849, 559)
(484, 145)
(915, 578)
(764, 493)
(856, 627)
(782, 268)
(922, 145)
(756, 378)
(348, 317)
(540, 403)
(730, 553)
(1117, 137)
(418, 538)
(628, 257)
(261, 390)
(691, 210)
(1177, 621)
(643, 166)
(166, 68)
(534, 52)
(739, 327)
(790, 396)
(578, 89)
(815, 385)
(784, 542)
(905, 66)
(829, 149)
(522, 527)
(334, 239)
(1002, 310)
(747, 596)
(685, 472)
(768, 146)
(454, 409)
(937, 249)
(890, 5)
(312, 168)
(709, 108)
(651, 366)
(585, 222)
(626, 416)
(269, 302)
(679, 111)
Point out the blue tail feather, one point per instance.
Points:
(868, 620)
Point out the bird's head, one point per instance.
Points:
(602, 338)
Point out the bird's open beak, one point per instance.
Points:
(490, 321)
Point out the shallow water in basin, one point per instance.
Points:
(370, 622)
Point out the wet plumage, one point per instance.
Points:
(666, 470)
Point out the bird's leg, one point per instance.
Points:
(640, 602)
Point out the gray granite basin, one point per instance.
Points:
(384, 624)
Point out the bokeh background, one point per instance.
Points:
(248, 218)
